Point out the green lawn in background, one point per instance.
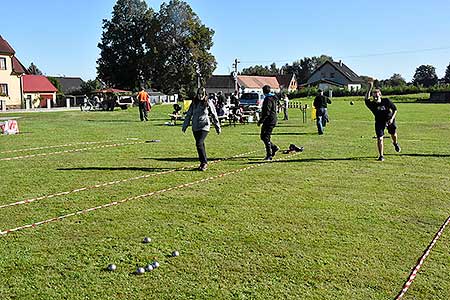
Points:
(328, 223)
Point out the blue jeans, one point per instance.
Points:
(321, 119)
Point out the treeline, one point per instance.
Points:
(386, 90)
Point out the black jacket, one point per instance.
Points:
(269, 111)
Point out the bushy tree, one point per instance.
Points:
(181, 45)
(34, 70)
(258, 70)
(425, 75)
(121, 63)
(56, 84)
(394, 80)
(90, 86)
(446, 78)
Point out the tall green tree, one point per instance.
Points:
(260, 70)
(181, 48)
(446, 78)
(56, 84)
(34, 70)
(90, 86)
(425, 75)
(122, 61)
(395, 80)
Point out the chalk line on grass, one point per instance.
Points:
(114, 182)
(115, 203)
(69, 151)
(55, 146)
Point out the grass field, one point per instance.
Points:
(328, 223)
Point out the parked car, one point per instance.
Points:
(251, 101)
(125, 101)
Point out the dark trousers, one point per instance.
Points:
(286, 116)
(143, 113)
(200, 137)
(266, 132)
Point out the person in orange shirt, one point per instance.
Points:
(144, 105)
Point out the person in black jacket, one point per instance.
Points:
(385, 112)
(321, 103)
(268, 121)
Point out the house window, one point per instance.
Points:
(331, 75)
(3, 89)
(2, 63)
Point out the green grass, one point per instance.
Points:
(329, 223)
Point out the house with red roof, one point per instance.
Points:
(37, 89)
(11, 73)
(246, 83)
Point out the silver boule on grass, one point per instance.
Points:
(155, 264)
(140, 271)
(112, 267)
(175, 253)
(147, 240)
(148, 268)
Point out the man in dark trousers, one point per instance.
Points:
(321, 103)
(269, 121)
(384, 111)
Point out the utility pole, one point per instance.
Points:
(235, 73)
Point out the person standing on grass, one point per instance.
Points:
(286, 107)
(385, 112)
(144, 105)
(321, 105)
(268, 120)
(199, 112)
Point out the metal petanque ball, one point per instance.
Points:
(112, 267)
(148, 268)
(140, 271)
(351, 102)
(175, 253)
(147, 240)
(155, 264)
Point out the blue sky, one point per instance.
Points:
(374, 38)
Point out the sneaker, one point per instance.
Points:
(293, 147)
(275, 148)
(397, 148)
(268, 158)
(381, 158)
(203, 167)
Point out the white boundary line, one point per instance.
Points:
(419, 264)
(111, 183)
(55, 146)
(68, 151)
(115, 203)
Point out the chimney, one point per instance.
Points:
(340, 63)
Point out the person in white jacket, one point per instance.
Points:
(199, 112)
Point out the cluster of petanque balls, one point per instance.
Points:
(147, 268)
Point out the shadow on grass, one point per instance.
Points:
(192, 159)
(113, 121)
(306, 160)
(422, 155)
(116, 169)
(280, 133)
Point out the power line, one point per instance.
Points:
(246, 62)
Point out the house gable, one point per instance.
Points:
(336, 72)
